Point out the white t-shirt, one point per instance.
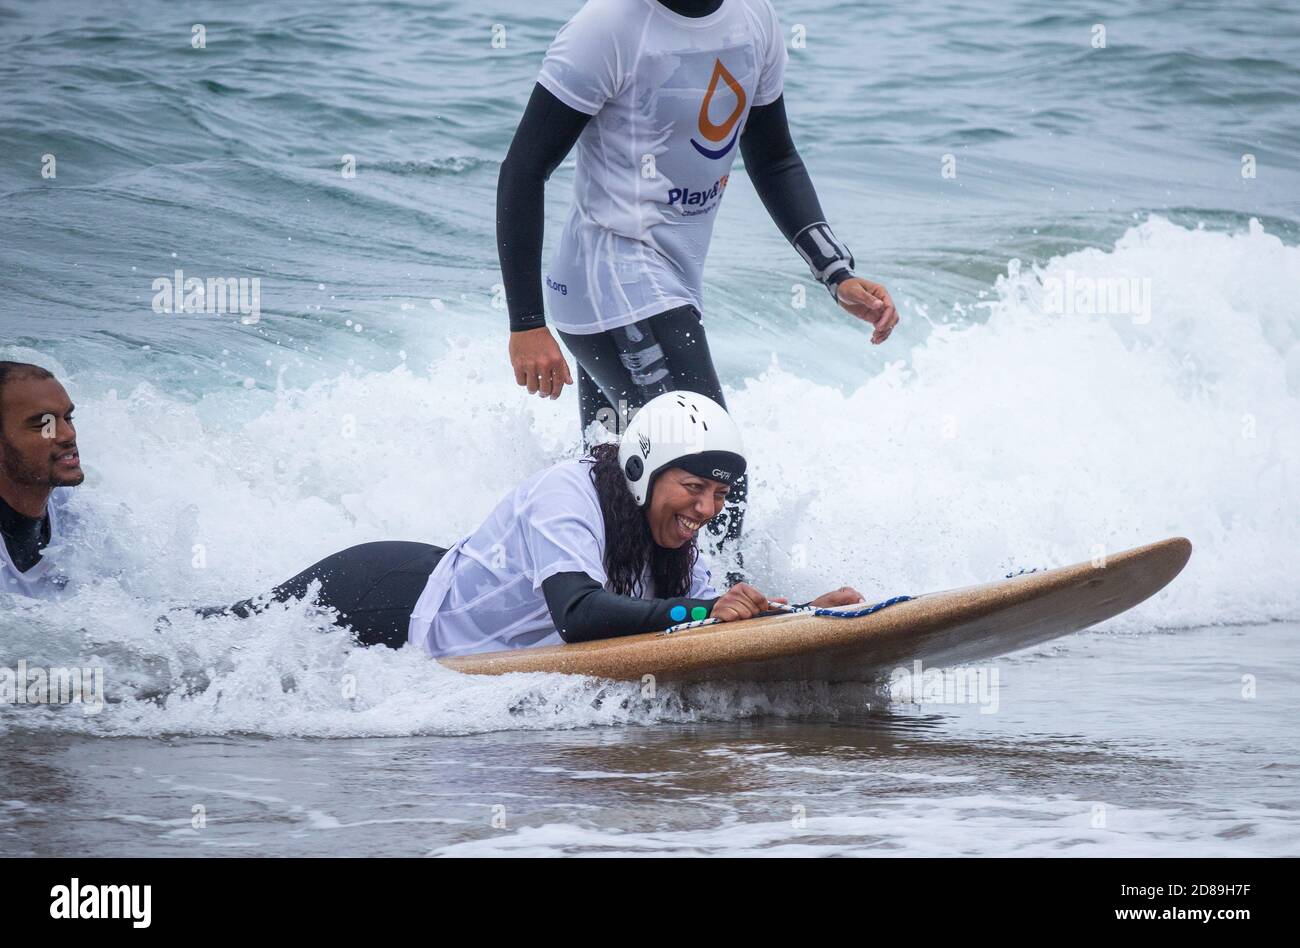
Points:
(670, 95)
(485, 594)
(44, 580)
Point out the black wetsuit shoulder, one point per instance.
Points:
(24, 537)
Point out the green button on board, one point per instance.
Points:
(699, 612)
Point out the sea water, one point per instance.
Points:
(1093, 237)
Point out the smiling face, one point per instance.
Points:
(38, 444)
(681, 503)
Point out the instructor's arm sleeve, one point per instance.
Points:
(582, 70)
(787, 192)
(777, 171)
(545, 135)
(771, 160)
(583, 610)
(779, 174)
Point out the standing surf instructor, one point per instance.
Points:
(657, 94)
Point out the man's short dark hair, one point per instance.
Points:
(15, 371)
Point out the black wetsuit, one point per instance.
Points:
(23, 536)
(669, 350)
(372, 586)
(375, 586)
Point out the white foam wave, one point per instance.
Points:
(1014, 437)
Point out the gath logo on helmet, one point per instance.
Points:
(711, 131)
(680, 429)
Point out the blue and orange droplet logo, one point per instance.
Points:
(716, 132)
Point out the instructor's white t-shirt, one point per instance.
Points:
(670, 95)
(44, 580)
(485, 594)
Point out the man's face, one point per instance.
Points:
(38, 444)
(680, 504)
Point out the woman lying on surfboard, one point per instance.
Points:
(585, 549)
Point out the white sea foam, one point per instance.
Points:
(976, 824)
(1019, 436)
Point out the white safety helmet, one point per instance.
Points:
(680, 429)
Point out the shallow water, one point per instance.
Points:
(1138, 744)
(371, 399)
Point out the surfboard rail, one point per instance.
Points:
(951, 627)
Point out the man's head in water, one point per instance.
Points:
(38, 443)
(681, 503)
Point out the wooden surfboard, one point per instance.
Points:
(942, 628)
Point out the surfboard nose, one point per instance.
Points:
(1177, 550)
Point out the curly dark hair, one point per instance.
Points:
(628, 542)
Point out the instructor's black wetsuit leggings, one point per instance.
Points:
(373, 586)
(619, 370)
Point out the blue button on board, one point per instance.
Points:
(678, 613)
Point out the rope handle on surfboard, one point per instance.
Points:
(779, 608)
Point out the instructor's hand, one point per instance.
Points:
(538, 362)
(869, 302)
(741, 601)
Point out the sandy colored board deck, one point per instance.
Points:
(942, 628)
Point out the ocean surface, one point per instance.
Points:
(1091, 226)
